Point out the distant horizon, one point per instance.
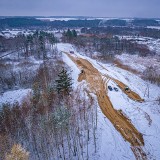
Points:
(37, 16)
(86, 8)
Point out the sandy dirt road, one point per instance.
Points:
(97, 85)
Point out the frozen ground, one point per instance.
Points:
(14, 96)
(144, 116)
(152, 43)
(27, 66)
(140, 63)
(14, 32)
(154, 27)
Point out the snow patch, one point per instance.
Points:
(14, 96)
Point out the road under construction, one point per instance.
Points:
(97, 83)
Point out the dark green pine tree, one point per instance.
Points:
(69, 34)
(64, 83)
(74, 33)
(42, 45)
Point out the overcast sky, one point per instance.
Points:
(99, 8)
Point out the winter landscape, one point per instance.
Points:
(79, 87)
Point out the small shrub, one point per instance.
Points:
(18, 153)
(152, 75)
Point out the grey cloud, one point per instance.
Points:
(105, 8)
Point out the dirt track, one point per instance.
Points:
(130, 94)
(98, 86)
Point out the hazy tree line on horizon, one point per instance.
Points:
(123, 31)
(32, 22)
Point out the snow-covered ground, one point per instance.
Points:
(71, 18)
(154, 27)
(7, 33)
(14, 96)
(152, 43)
(144, 116)
(140, 63)
(56, 19)
(14, 32)
(27, 66)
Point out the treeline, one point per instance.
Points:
(20, 22)
(145, 22)
(25, 51)
(108, 46)
(27, 22)
(32, 22)
(133, 31)
(135, 22)
(32, 44)
(113, 22)
(75, 23)
(69, 35)
(117, 46)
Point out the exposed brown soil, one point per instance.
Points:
(122, 124)
(130, 94)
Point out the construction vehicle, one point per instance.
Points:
(116, 89)
(110, 88)
(72, 52)
(126, 89)
(82, 71)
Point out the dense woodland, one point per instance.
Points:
(133, 31)
(29, 22)
(32, 22)
(109, 45)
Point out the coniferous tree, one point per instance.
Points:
(74, 33)
(36, 93)
(42, 44)
(69, 34)
(64, 83)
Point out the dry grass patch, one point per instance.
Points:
(125, 67)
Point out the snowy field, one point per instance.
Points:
(154, 27)
(139, 63)
(28, 66)
(14, 96)
(14, 32)
(7, 33)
